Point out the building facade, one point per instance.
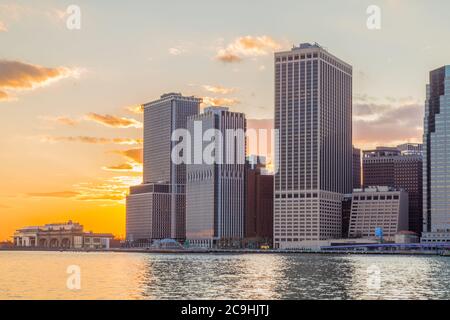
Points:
(215, 187)
(356, 169)
(258, 204)
(398, 167)
(148, 213)
(161, 119)
(313, 116)
(385, 208)
(68, 235)
(436, 164)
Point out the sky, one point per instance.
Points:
(70, 121)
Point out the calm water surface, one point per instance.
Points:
(42, 275)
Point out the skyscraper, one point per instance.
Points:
(399, 167)
(436, 164)
(156, 209)
(313, 116)
(215, 189)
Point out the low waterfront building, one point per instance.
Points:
(378, 208)
(68, 235)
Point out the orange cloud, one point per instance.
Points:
(93, 140)
(57, 194)
(218, 89)
(208, 101)
(133, 154)
(247, 46)
(113, 121)
(3, 96)
(20, 76)
(130, 166)
(114, 189)
(136, 109)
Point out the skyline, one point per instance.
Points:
(69, 121)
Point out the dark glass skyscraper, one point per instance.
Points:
(313, 116)
(436, 164)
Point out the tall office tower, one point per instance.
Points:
(156, 209)
(258, 203)
(398, 167)
(313, 116)
(436, 164)
(356, 170)
(216, 178)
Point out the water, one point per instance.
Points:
(42, 275)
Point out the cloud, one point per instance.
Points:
(247, 46)
(20, 76)
(62, 120)
(177, 51)
(129, 166)
(135, 155)
(135, 109)
(57, 194)
(3, 27)
(209, 101)
(218, 89)
(114, 189)
(3, 96)
(113, 121)
(93, 140)
(387, 123)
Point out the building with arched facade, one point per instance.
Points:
(68, 235)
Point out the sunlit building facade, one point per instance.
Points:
(313, 115)
(153, 213)
(215, 191)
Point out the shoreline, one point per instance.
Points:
(228, 251)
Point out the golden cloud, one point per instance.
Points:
(136, 109)
(135, 155)
(209, 101)
(247, 46)
(93, 140)
(113, 121)
(57, 194)
(130, 166)
(3, 96)
(218, 89)
(20, 76)
(114, 189)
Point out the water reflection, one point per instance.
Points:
(42, 275)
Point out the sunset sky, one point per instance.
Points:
(70, 123)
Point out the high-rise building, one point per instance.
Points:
(313, 116)
(398, 167)
(356, 169)
(436, 162)
(156, 209)
(215, 188)
(383, 208)
(258, 203)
